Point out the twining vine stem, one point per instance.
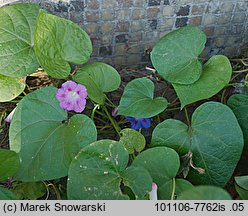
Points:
(113, 122)
(94, 110)
(173, 188)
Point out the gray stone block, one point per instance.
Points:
(116, 25)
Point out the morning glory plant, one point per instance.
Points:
(9, 117)
(72, 96)
(77, 131)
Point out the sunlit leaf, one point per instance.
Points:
(17, 26)
(59, 42)
(10, 88)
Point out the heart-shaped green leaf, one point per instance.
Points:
(10, 87)
(216, 75)
(138, 179)
(241, 185)
(181, 186)
(137, 100)
(175, 56)
(216, 142)
(132, 140)
(29, 190)
(239, 105)
(243, 194)
(165, 192)
(205, 193)
(45, 139)
(172, 133)
(98, 170)
(17, 25)
(127, 191)
(242, 181)
(98, 79)
(9, 163)
(6, 194)
(58, 42)
(162, 163)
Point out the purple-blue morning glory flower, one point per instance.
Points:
(72, 96)
(137, 123)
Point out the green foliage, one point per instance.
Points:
(205, 193)
(29, 190)
(10, 87)
(98, 79)
(9, 163)
(132, 140)
(175, 56)
(172, 133)
(98, 170)
(138, 100)
(127, 191)
(58, 42)
(216, 75)
(241, 185)
(17, 25)
(242, 181)
(181, 186)
(214, 138)
(162, 163)
(239, 105)
(45, 144)
(6, 194)
(138, 180)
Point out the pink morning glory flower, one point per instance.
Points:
(114, 112)
(9, 117)
(137, 123)
(153, 193)
(72, 96)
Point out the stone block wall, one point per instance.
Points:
(123, 32)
